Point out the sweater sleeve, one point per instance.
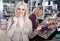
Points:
(34, 23)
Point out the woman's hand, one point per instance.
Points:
(51, 26)
(15, 20)
(39, 27)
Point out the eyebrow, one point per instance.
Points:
(22, 8)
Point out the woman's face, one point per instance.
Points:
(21, 10)
(39, 13)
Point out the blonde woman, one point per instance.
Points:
(20, 27)
(37, 14)
(34, 17)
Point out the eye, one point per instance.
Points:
(23, 9)
(18, 8)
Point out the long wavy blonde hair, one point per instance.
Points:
(26, 8)
(26, 15)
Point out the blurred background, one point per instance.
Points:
(50, 7)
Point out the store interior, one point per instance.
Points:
(50, 8)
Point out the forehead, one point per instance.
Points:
(21, 6)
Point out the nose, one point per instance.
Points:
(20, 10)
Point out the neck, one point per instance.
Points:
(21, 17)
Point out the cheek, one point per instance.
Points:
(23, 11)
(37, 14)
(17, 11)
(40, 14)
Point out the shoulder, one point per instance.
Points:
(28, 21)
(32, 16)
